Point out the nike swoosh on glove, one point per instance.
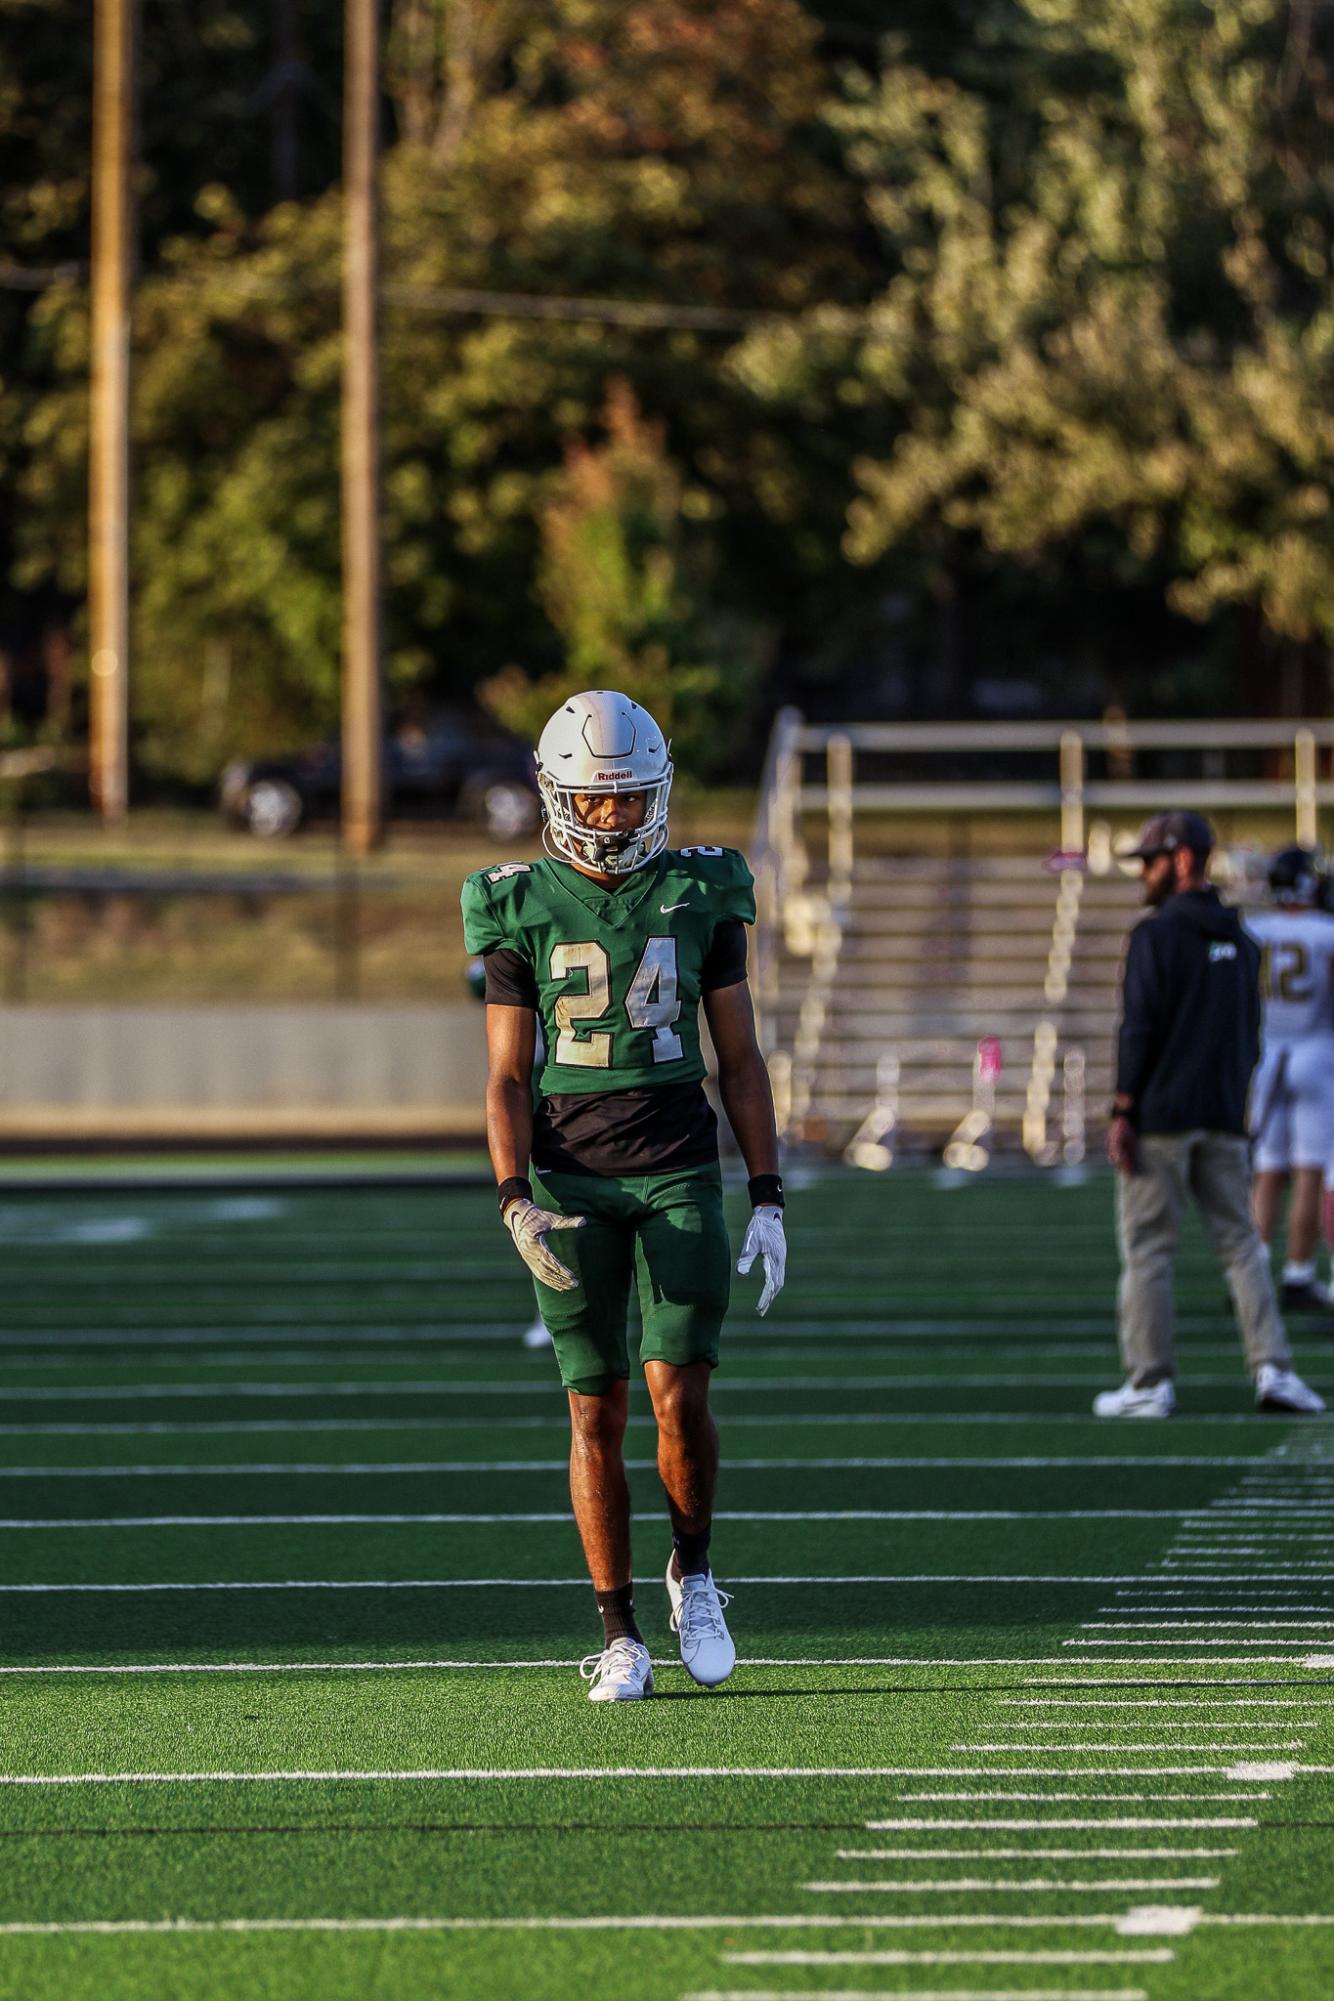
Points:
(765, 1240)
(528, 1225)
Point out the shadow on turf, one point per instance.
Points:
(289, 1624)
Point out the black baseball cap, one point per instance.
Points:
(1166, 832)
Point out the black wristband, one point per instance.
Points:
(517, 1188)
(765, 1188)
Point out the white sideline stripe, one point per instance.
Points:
(972, 1825)
(203, 1470)
(563, 1515)
(1127, 1854)
(951, 1885)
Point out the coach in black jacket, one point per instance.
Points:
(1189, 1040)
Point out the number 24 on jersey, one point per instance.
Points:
(652, 1002)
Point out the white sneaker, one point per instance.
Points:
(622, 1672)
(1159, 1401)
(707, 1651)
(1283, 1389)
(536, 1336)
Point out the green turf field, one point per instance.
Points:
(291, 1609)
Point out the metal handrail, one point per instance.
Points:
(786, 796)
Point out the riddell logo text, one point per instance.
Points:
(612, 774)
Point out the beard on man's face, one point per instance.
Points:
(1157, 886)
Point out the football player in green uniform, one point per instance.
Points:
(613, 940)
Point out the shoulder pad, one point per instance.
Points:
(484, 898)
(728, 877)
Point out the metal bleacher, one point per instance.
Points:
(960, 1004)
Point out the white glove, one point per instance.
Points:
(528, 1225)
(765, 1240)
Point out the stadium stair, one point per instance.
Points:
(918, 962)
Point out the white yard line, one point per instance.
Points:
(1180, 1643)
(581, 1583)
(563, 1515)
(770, 1420)
(357, 1469)
(1155, 1702)
(342, 1386)
(799, 1921)
(950, 1886)
(906, 1824)
(533, 1774)
(401, 1666)
(1153, 1956)
(1084, 1797)
(922, 1994)
(1171, 1749)
(168, 1927)
(1126, 1854)
(1214, 1723)
(1197, 1625)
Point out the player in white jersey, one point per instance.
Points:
(1292, 1097)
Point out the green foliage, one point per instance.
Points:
(626, 582)
(1110, 327)
(1029, 302)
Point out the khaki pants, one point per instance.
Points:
(1215, 1169)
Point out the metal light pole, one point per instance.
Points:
(109, 474)
(362, 698)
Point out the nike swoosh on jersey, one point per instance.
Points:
(667, 908)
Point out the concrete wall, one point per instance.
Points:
(353, 1068)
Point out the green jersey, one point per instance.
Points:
(619, 971)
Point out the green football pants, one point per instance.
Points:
(665, 1231)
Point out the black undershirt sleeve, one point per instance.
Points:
(510, 980)
(725, 960)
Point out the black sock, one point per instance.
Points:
(618, 1614)
(690, 1553)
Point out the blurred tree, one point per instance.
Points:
(628, 583)
(518, 169)
(1109, 329)
(1007, 335)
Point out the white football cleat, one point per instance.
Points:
(707, 1650)
(1158, 1401)
(1283, 1389)
(622, 1672)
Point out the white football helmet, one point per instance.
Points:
(603, 742)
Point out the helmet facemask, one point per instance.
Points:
(609, 850)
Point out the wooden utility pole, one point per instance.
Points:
(109, 457)
(362, 699)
